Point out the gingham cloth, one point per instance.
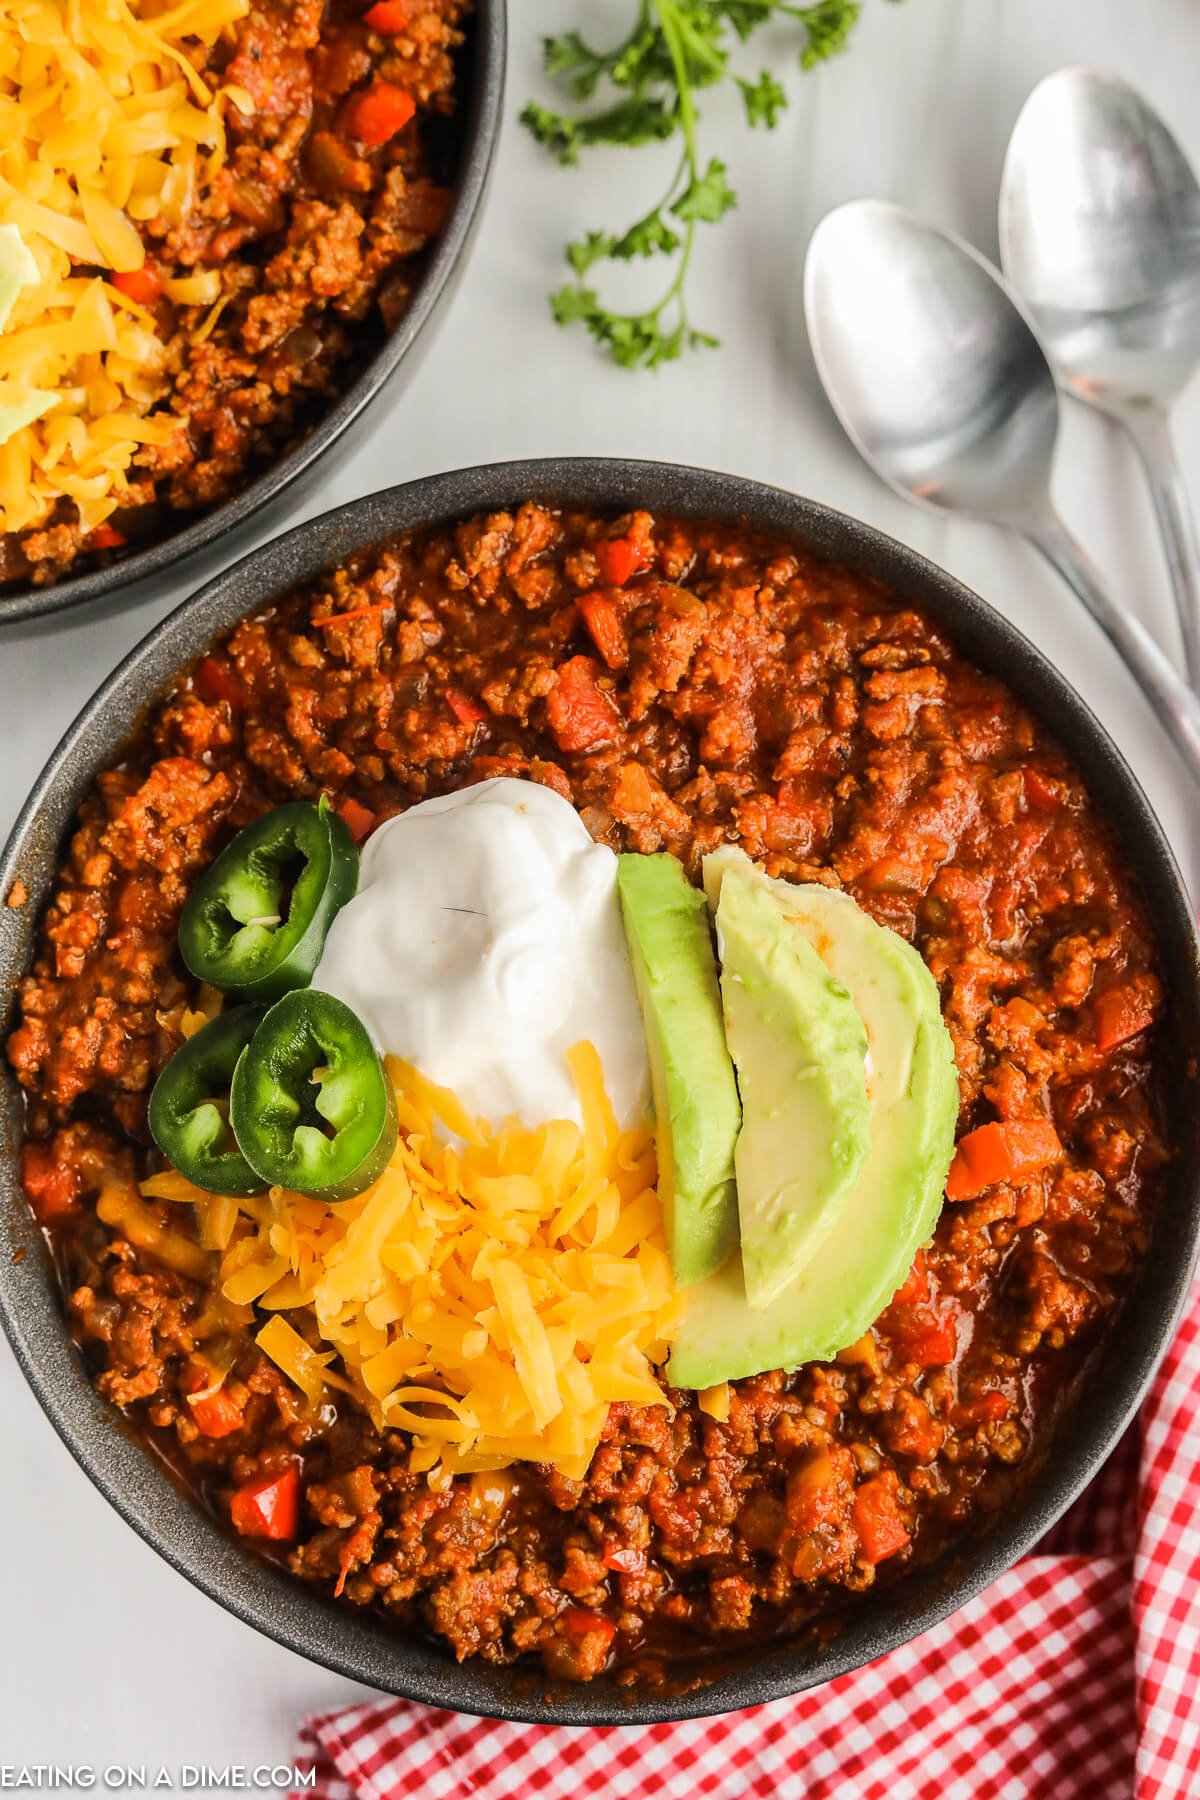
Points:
(1074, 1677)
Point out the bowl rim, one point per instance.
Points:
(164, 557)
(284, 1608)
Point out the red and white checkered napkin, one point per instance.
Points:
(1076, 1676)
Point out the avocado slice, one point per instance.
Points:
(800, 1053)
(695, 1095)
(913, 1088)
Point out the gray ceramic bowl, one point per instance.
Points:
(297, 1616)
(482, 66)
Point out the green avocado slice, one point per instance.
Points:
(913, 1088)
(695, 1095)
(800, 1053)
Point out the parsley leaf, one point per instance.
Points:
(764, 100)
(644, 90)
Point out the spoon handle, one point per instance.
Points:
(1176, 705)
(1149, 430)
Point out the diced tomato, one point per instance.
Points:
(106, 537)
(607, 633)
(894, 875)
(1041, 792)
(580, 715)
(1012, 1151)
(387, 15)
(466, 709)
(915, 1288)
(624, 1562)
(268, 1507)
(619, 558)
(581, 1621)
(878, 1520)
(215, 681)
(931, 1343)
(360, 820)
(378, 113)
(51, 1186)
(1121, 1014)
(216, 1415)
(812, 1498)
(143, 286)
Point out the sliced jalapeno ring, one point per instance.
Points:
(188, 1114)
(312, 1106)
(256, 922)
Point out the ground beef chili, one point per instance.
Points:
(316, 222)
(683, 684)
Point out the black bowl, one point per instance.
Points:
(477, 128)
(1108, 1393)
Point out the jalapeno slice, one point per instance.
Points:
(256, 922)
(188, 1113)
(312, 1106)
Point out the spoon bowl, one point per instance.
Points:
(934, 372)
(940, 381)
(1100, 234)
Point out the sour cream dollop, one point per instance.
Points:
(485, 939)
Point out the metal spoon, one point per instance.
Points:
(1100, 235)
(940, 382)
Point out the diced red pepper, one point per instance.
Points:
(1121, 1014)
(624, 1562)
(580, 715)
(360, 820)
(1012, 1151)
(915, 1288)
(878, 1520)
(931, 1343)
(985, 1409)
(215, 681)
(466, 709)
(1041, 792)
(216, 1414)
(268, 1507)
(106, 537)
(51, 1186)
(378, 113)
(607, 632)
(387, 15)
(582, 1622)
(143, 286)
(619, 558)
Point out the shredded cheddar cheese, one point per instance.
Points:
(104, 124)
(492, 1296)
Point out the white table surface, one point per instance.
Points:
(106, 1655)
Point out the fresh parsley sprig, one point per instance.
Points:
(643, 91)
